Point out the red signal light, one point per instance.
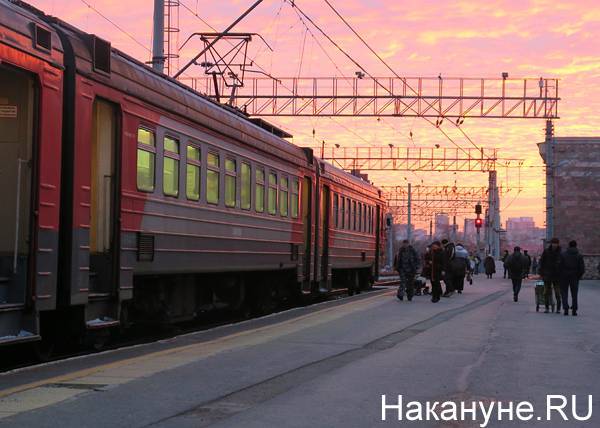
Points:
(478, 223)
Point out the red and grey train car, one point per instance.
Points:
(128, 196)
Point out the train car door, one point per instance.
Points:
(325, 219)
(17, 99)
(307, 231)
(104, 200)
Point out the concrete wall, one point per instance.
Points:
(591, 266)
(577, 196)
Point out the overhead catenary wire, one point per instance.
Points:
(215, 30)
(117, 26)
(363, 69)
(390, 68)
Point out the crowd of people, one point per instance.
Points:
(451, 264)
(443, 261)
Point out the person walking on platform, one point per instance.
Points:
(534, 266)
(437, 266)
(477, 264)
(517, 264)
(449, 250)
(407, 263)
(528, 267)
(490, 266)
(504, 257)
(458, 267)
(426, 263)
(550, 271)
(572, 269)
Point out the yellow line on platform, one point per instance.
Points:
(92, 370)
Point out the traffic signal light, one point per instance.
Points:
(478, 223)
(478, 209)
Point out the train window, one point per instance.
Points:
(353, 215)
(371, 219)
(335, 210)
(348, 214)
(283, 197)
(295, 197)
(343, 213)
(359, 228)
(212, 178)
(146, 154)
(230, 182)
(272, 198)
(192, 188)
(259, 204)
(171, 167)
(364, 224)
(246, 189)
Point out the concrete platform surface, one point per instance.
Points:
(329, 365)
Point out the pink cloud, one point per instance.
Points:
(426, 37)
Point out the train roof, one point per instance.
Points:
(30, 32)
(346, 179)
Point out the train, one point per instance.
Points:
(130, 198)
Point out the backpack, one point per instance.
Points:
(450, 251)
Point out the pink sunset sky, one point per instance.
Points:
(526, 38)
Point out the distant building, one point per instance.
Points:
(522, 232)
(442, 226)
(516, 224)
(574, 194)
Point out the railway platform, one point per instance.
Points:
(329, 365)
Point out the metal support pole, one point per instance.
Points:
(409, 215)
(492, 226)
(430, 229)
(479, 252)
(454, 228)
(390, 241)
(158, 44)
(496, 235)
(549, 146)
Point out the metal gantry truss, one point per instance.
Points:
(426, 201)
(393, 158)
(439, 97)
(420, 213)
(426, 193)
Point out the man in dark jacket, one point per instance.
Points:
(504, 258)
(572, 269)
(458, 268)
(528, 267)
(448, 248)
(407, 263)
(490, 266)
(516, 264)
(550, 272)
(437, 267)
